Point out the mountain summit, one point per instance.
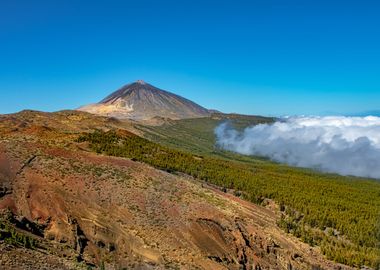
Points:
(140, 101)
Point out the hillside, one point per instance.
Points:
(141, 101)
(79, 191)
(197, 136)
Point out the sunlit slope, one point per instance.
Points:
(140, 100)
(128, 215)
(340, 214)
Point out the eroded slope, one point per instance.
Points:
(85, 209)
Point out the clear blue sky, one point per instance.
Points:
(256, 57)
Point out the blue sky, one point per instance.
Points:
(255, 57)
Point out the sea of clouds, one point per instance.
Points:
(337, 144)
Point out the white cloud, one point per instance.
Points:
(344, 145)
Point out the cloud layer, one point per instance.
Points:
(344, 145)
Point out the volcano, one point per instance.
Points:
(141, 101)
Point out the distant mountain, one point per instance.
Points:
(361, 114)
(367, 113)
(140, 101)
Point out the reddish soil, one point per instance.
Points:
(96, 210)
